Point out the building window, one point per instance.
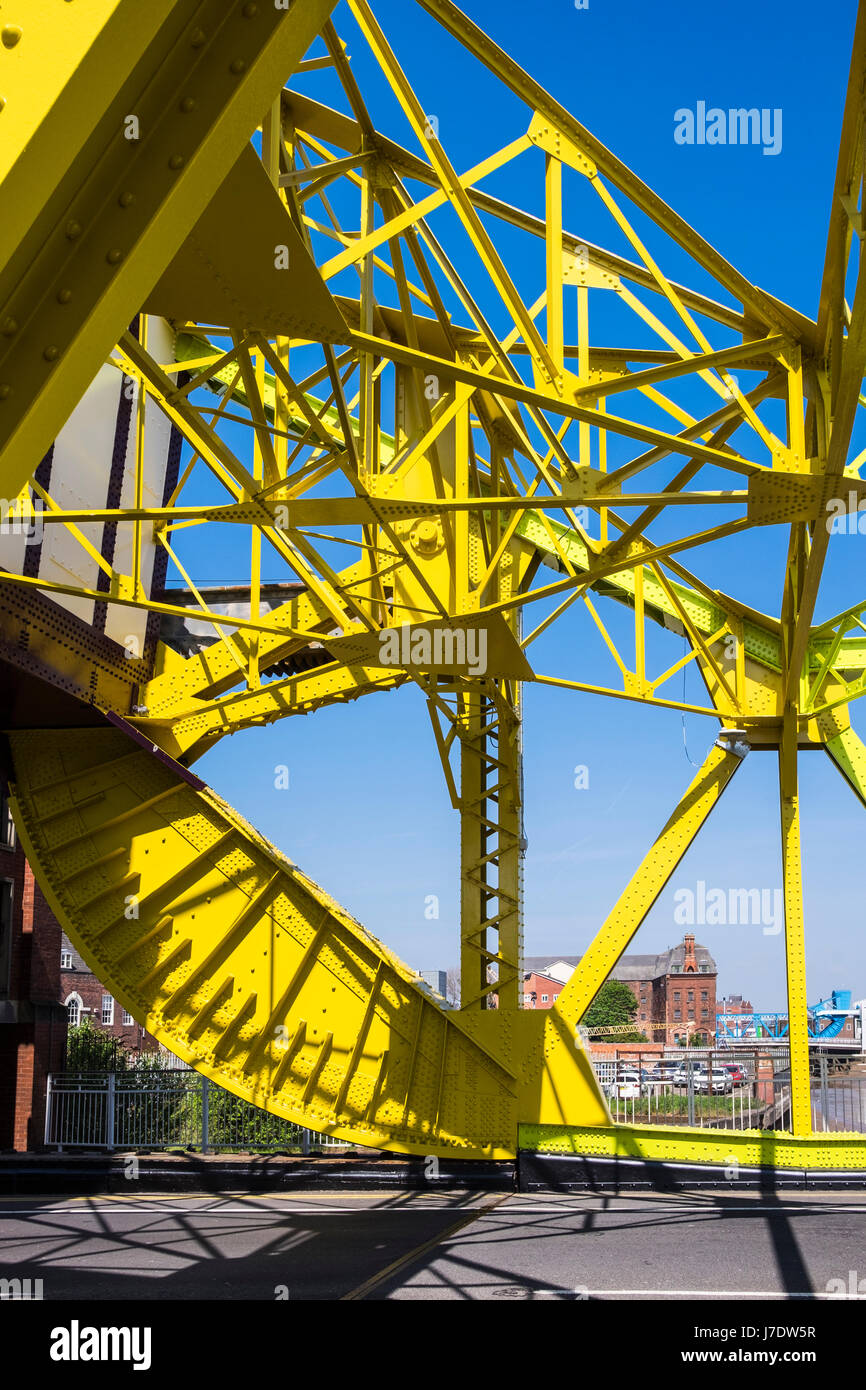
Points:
(7, 825)
(677, 1015)
(5, 936)
(73, 1010)
(677, 996)
(127, 1019)
(544, 998)
(107, 1010)
(65, 960)
(704, 994)
(691, 996)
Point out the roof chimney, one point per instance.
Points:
(690, 964)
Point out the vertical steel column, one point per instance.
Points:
(795, 935)
(205, 1115)
(109, 1112)
(490, 851)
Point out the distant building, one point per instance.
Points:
(32, 1018)
(436, 979)
(542, 989)
(84, 997)
(735, 1004)
(675, 990)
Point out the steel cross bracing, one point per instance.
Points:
(422, 438)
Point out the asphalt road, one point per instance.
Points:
(434, 1246)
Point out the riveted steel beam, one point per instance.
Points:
(121, 126)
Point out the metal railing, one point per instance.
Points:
(714, 1090)
(164, 1110)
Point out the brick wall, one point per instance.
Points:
(32, 1018)
(76, 978)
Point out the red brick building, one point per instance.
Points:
(85, 998)
(540, 991)
(32, 1016)
(675, 990)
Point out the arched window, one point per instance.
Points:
(73, 1010)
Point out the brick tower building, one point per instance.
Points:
(32, 1017)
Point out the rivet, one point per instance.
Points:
(188, 104)
(51, 353)
(2, 103)
(10, 327)
(113, 256)
(73, 229)
(10, 35)
(125, 199)
(64, 296)
(176, 161)
(5, 390)
(249, 10)
(197, 38)
(237, 65)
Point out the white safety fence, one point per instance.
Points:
(164, 1110)
(716, 1090)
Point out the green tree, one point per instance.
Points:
(88, 1048)
(613, 1006)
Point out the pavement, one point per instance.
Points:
(463, 1246)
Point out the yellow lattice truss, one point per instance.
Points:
(365, 355)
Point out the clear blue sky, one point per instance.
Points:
(366, 813)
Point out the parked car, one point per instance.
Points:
(626, 1084)
(668, 1064)
(718, 1081)
(736, 1073)
(681, 1075)
(665, 1069)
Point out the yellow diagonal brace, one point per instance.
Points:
(132, 126)
(614, 936)
(453, 187)
(849, 754)
(762, 305)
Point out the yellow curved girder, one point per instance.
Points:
(244, 967)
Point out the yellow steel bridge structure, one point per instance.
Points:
(230, 310)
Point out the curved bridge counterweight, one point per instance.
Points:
(244, 967)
